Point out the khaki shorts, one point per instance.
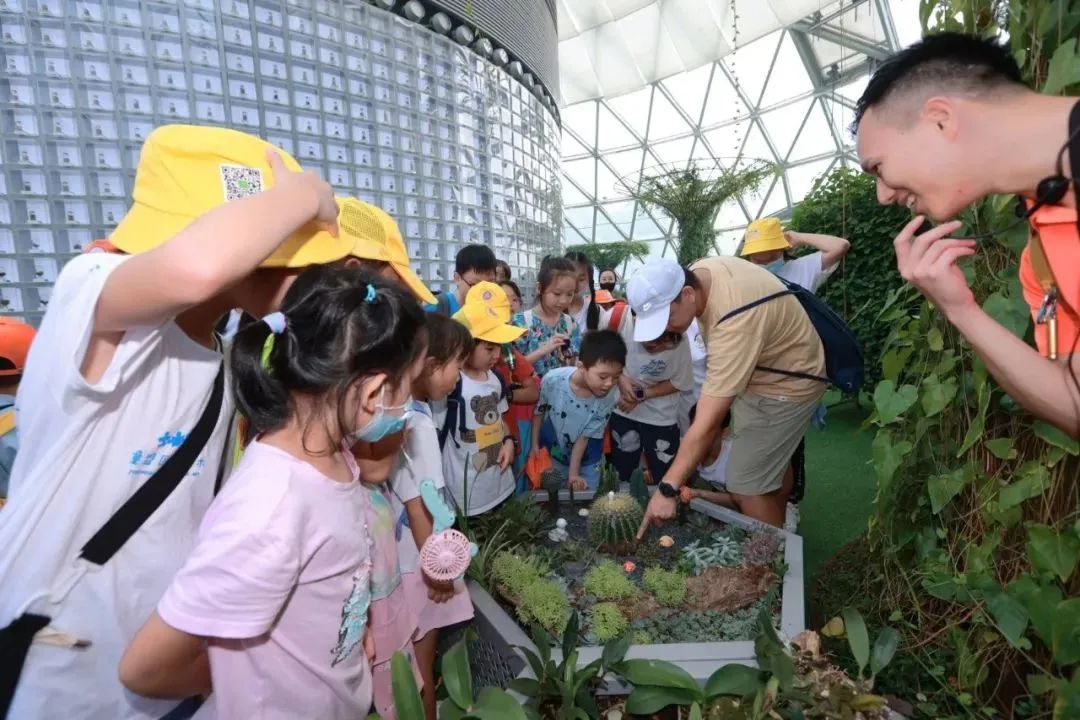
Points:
(765, 433)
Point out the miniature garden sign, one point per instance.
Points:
(690, 593)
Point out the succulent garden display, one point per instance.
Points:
(694, 581)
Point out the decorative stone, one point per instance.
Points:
(667, 541)
(558, 535)
(583, 512)
(629, 566)
(560, 523)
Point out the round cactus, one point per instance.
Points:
(614, 520)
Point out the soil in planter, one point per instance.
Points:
(721, 604)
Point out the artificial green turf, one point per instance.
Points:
(840, 484)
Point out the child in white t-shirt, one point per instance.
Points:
(273, 602)
(477, 445)
(121, 370)
(645, 421)
(436, 605)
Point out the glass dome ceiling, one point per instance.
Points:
(650, 83)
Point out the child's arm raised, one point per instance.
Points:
(213, 252)
(163, 662)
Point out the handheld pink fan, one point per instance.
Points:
(446, 555)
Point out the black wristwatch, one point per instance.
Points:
(667, 490)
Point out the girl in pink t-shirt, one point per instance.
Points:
(269, 613)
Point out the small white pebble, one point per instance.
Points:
(611, 495)
(560, 523)
(583, 512)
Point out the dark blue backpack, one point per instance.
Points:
(843, 357)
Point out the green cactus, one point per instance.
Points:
(614, 520)
(607, 622)
(552, 481)
(667, 586)
(607, 581)
(609, 479)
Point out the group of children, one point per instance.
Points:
(232, 522)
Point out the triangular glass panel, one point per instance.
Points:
(581, 172)
(789, 77)
(783, 124)
(633, 108)
(732, 214)
(673, 153)
(621, 213)
(608, 186)
(689, 89)
(645, 228)
(815, 137)
(665, 121)
(570, 147)
(775, 201)
(751, 62)
(581, 118)
(581, 218)
(724, 142)
(571, 235)
(626, 165)
(728, 241)
(801, 178)
(572, 196)
(854, 89)
(755, 147)
(612, 133)
(606, 232)
(723, 104)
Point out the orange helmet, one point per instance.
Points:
(15, 339)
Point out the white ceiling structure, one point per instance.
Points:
(651, 83)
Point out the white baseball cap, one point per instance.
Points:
(650, 292)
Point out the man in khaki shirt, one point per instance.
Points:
(770, 410)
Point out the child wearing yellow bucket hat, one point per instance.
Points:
(478, 446)
(767, 244)
(124, 410)
(378, 245)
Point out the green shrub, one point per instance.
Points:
(667, 586)
(545, 603)
(607, 621)
(513, 572)
(607, 581)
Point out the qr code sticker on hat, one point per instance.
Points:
(240, 182)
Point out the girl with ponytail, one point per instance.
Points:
(583, 308)
(282, 578)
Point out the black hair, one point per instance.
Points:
(513, 286)
(948, 61)
(504, 265)
(610, 270)
(690, 279)
(592, 315)
(333, 336)
(447, 339)
(479, 258)
(602, 346)
(551, 268)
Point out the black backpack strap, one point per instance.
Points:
(794, 374)
(127, 520)
(751, 305)
(1074, 155)
(453, 407)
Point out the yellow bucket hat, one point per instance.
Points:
(186, 170)
(486, 313)
(375, 236)
(764, 235)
